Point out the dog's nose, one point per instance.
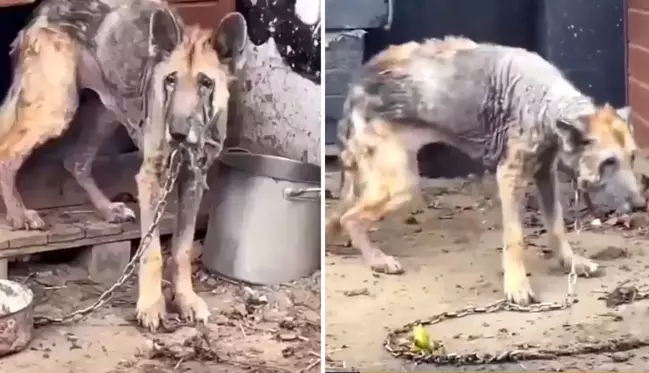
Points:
(178, 136)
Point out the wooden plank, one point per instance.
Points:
(8, 3)
(70, 233)
(4, 269)
(207, 14)
(361, 14)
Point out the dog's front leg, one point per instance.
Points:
(190, 192)
(548, 188)
(512, 181)
(150, 302)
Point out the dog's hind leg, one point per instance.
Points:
(385, 174)
(18, 216)
(39, 106)
(547, 185)
(190, 193)
(99, 124)
(512, 182)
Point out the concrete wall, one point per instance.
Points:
(277, 109)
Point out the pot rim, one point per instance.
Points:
(29, 304)
(272, 166)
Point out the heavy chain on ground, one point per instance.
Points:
(400, 346)
(172, 170)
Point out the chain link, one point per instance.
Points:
(400, 347)
(172, 170)
(577, 224)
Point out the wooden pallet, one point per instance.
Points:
(107, 246)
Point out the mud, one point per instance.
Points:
(450, 247)
(252, 329)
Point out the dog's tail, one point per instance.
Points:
(43, 94)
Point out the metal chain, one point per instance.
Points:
(172, 170)
(577, 223)
(400, 347)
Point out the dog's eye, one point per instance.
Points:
(205, 82)
(609, 164)
(170, 80)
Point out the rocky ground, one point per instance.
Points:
(451, 249)
(252, 329)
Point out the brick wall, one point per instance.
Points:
(638, 68)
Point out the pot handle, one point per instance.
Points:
(302, 194)
(236, 149)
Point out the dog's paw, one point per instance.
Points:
(517, 288)
(151, 310)
(382, 263)
(192, 307)
(117, 212)
(584, 267)
(25, 220)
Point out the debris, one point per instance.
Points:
(411, 220)
(610, 253)
(356, 292)
(620, 357)
(287, 336)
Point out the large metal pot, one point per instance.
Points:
(264, 225)
(16, 317)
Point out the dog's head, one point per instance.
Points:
(600, 150)
(191, 77)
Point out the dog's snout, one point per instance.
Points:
(179, 129)
(178, 135)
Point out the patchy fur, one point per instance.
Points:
(139, 66)
(503, 106)
(43, 96)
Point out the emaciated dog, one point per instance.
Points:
(505, 106)
(166, 83)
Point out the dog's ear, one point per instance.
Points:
(165, 32)
(572, 135)
(624, 113)
(230, 39)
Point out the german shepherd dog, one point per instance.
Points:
(166, 83)
(505, 106)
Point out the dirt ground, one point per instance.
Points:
(252, 329)
(450, 248)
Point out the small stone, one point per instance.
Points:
(287, 336)
(637, 220)
(411, 220)
(620, 357)
(211, 282)
(596, 223)
(356, 292)
(287, 323)
(220, 319)
(275, 315)
(241, 309)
